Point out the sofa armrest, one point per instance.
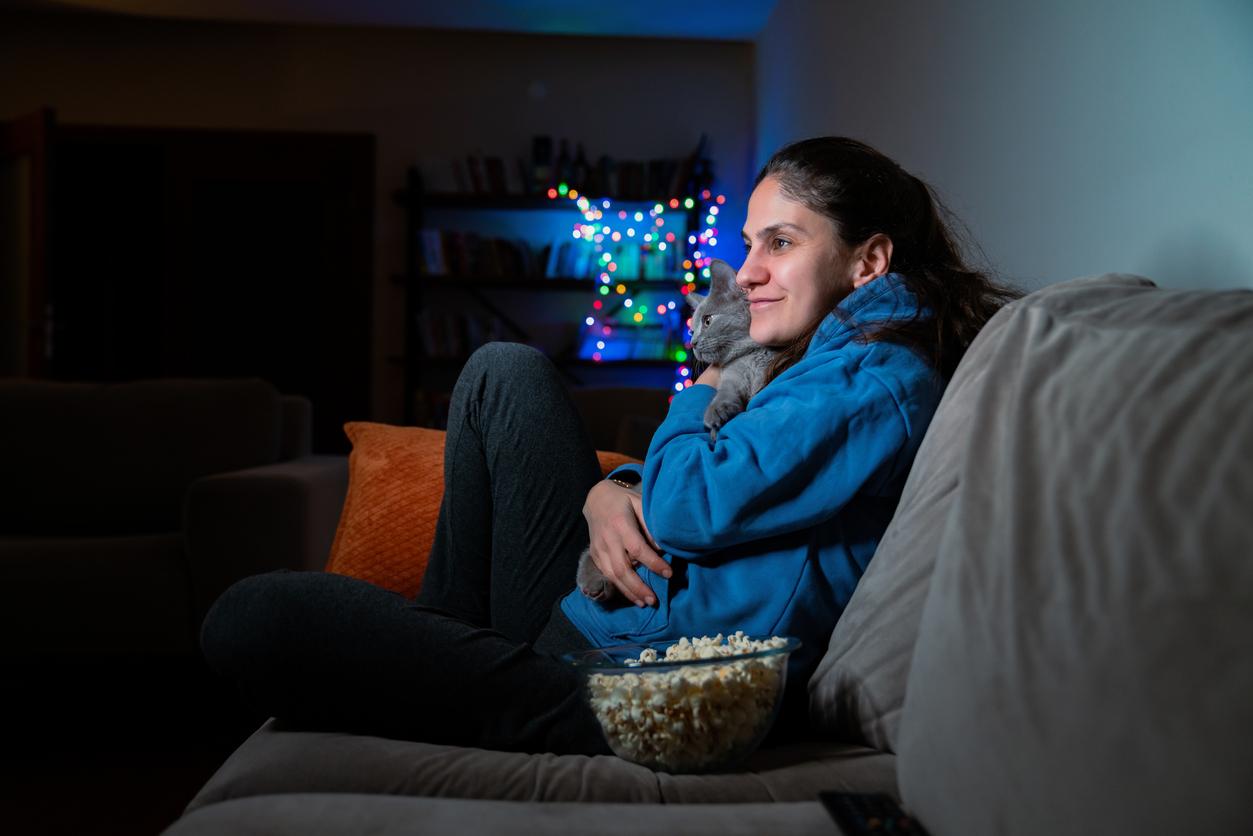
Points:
(297, 427)
(280, 516)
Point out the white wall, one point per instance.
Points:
(1074, 137)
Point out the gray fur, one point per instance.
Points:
(591, 580)
(719, 335)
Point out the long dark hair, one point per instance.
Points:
(864, 192)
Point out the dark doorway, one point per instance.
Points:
(188, 253)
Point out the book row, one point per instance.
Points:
(448, 252)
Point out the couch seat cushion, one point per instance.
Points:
(274, 761)
(309, 814)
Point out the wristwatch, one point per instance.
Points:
(627, 479)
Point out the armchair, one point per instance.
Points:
(127, 508)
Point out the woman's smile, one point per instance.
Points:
(794, 270)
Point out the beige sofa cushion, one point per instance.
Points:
(1085, 655)
(276, 761)
(339, 814)
(858, 689)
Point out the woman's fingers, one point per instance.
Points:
(649, 553)
(619, 567)
(621, 541)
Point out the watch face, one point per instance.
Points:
(627, 478)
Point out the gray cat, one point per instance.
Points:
(719, 336)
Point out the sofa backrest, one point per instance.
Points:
(115, 458)
(1084, 656)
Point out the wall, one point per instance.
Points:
(426, 95)
(1074, 137)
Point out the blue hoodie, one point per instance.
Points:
(768, 529)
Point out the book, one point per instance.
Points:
(431, 245)
(495, 167)
(475, 166)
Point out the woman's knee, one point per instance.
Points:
(511, 377)
(509, 359)
(243, 617)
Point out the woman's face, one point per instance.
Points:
(796, 268)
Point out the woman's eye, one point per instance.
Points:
(779, 241)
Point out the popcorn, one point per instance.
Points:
(691, 717)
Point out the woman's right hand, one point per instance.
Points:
(620, 540)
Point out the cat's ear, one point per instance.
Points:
(722, 277)
(694, 299)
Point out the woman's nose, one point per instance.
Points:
(749, 274)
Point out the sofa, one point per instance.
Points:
(127, 508)
(1054, 636)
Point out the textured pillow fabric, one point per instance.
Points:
(395, 485)
(858, 690)
(1085, 653)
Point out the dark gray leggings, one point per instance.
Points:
(472, 660)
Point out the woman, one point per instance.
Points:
(853, 276)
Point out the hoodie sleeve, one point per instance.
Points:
(629, 467)
(803, 448)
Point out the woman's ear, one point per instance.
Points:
(872, 259)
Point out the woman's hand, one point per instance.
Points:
(711, 376)
(620, 540)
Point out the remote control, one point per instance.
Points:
(857, 814)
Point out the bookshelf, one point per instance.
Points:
(489, 267)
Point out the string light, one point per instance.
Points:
(652, 241)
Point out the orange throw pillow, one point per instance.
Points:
(395, 485)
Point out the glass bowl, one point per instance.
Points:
(686, 715)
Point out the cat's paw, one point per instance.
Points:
(591, 581)
(719, 411)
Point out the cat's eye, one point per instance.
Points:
(707, 318)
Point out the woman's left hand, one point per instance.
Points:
(711, 376)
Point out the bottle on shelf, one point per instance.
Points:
(542, 162)
(525, 179)
(606, 176)
(474, 164)
(562, 173)
(581, 174)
